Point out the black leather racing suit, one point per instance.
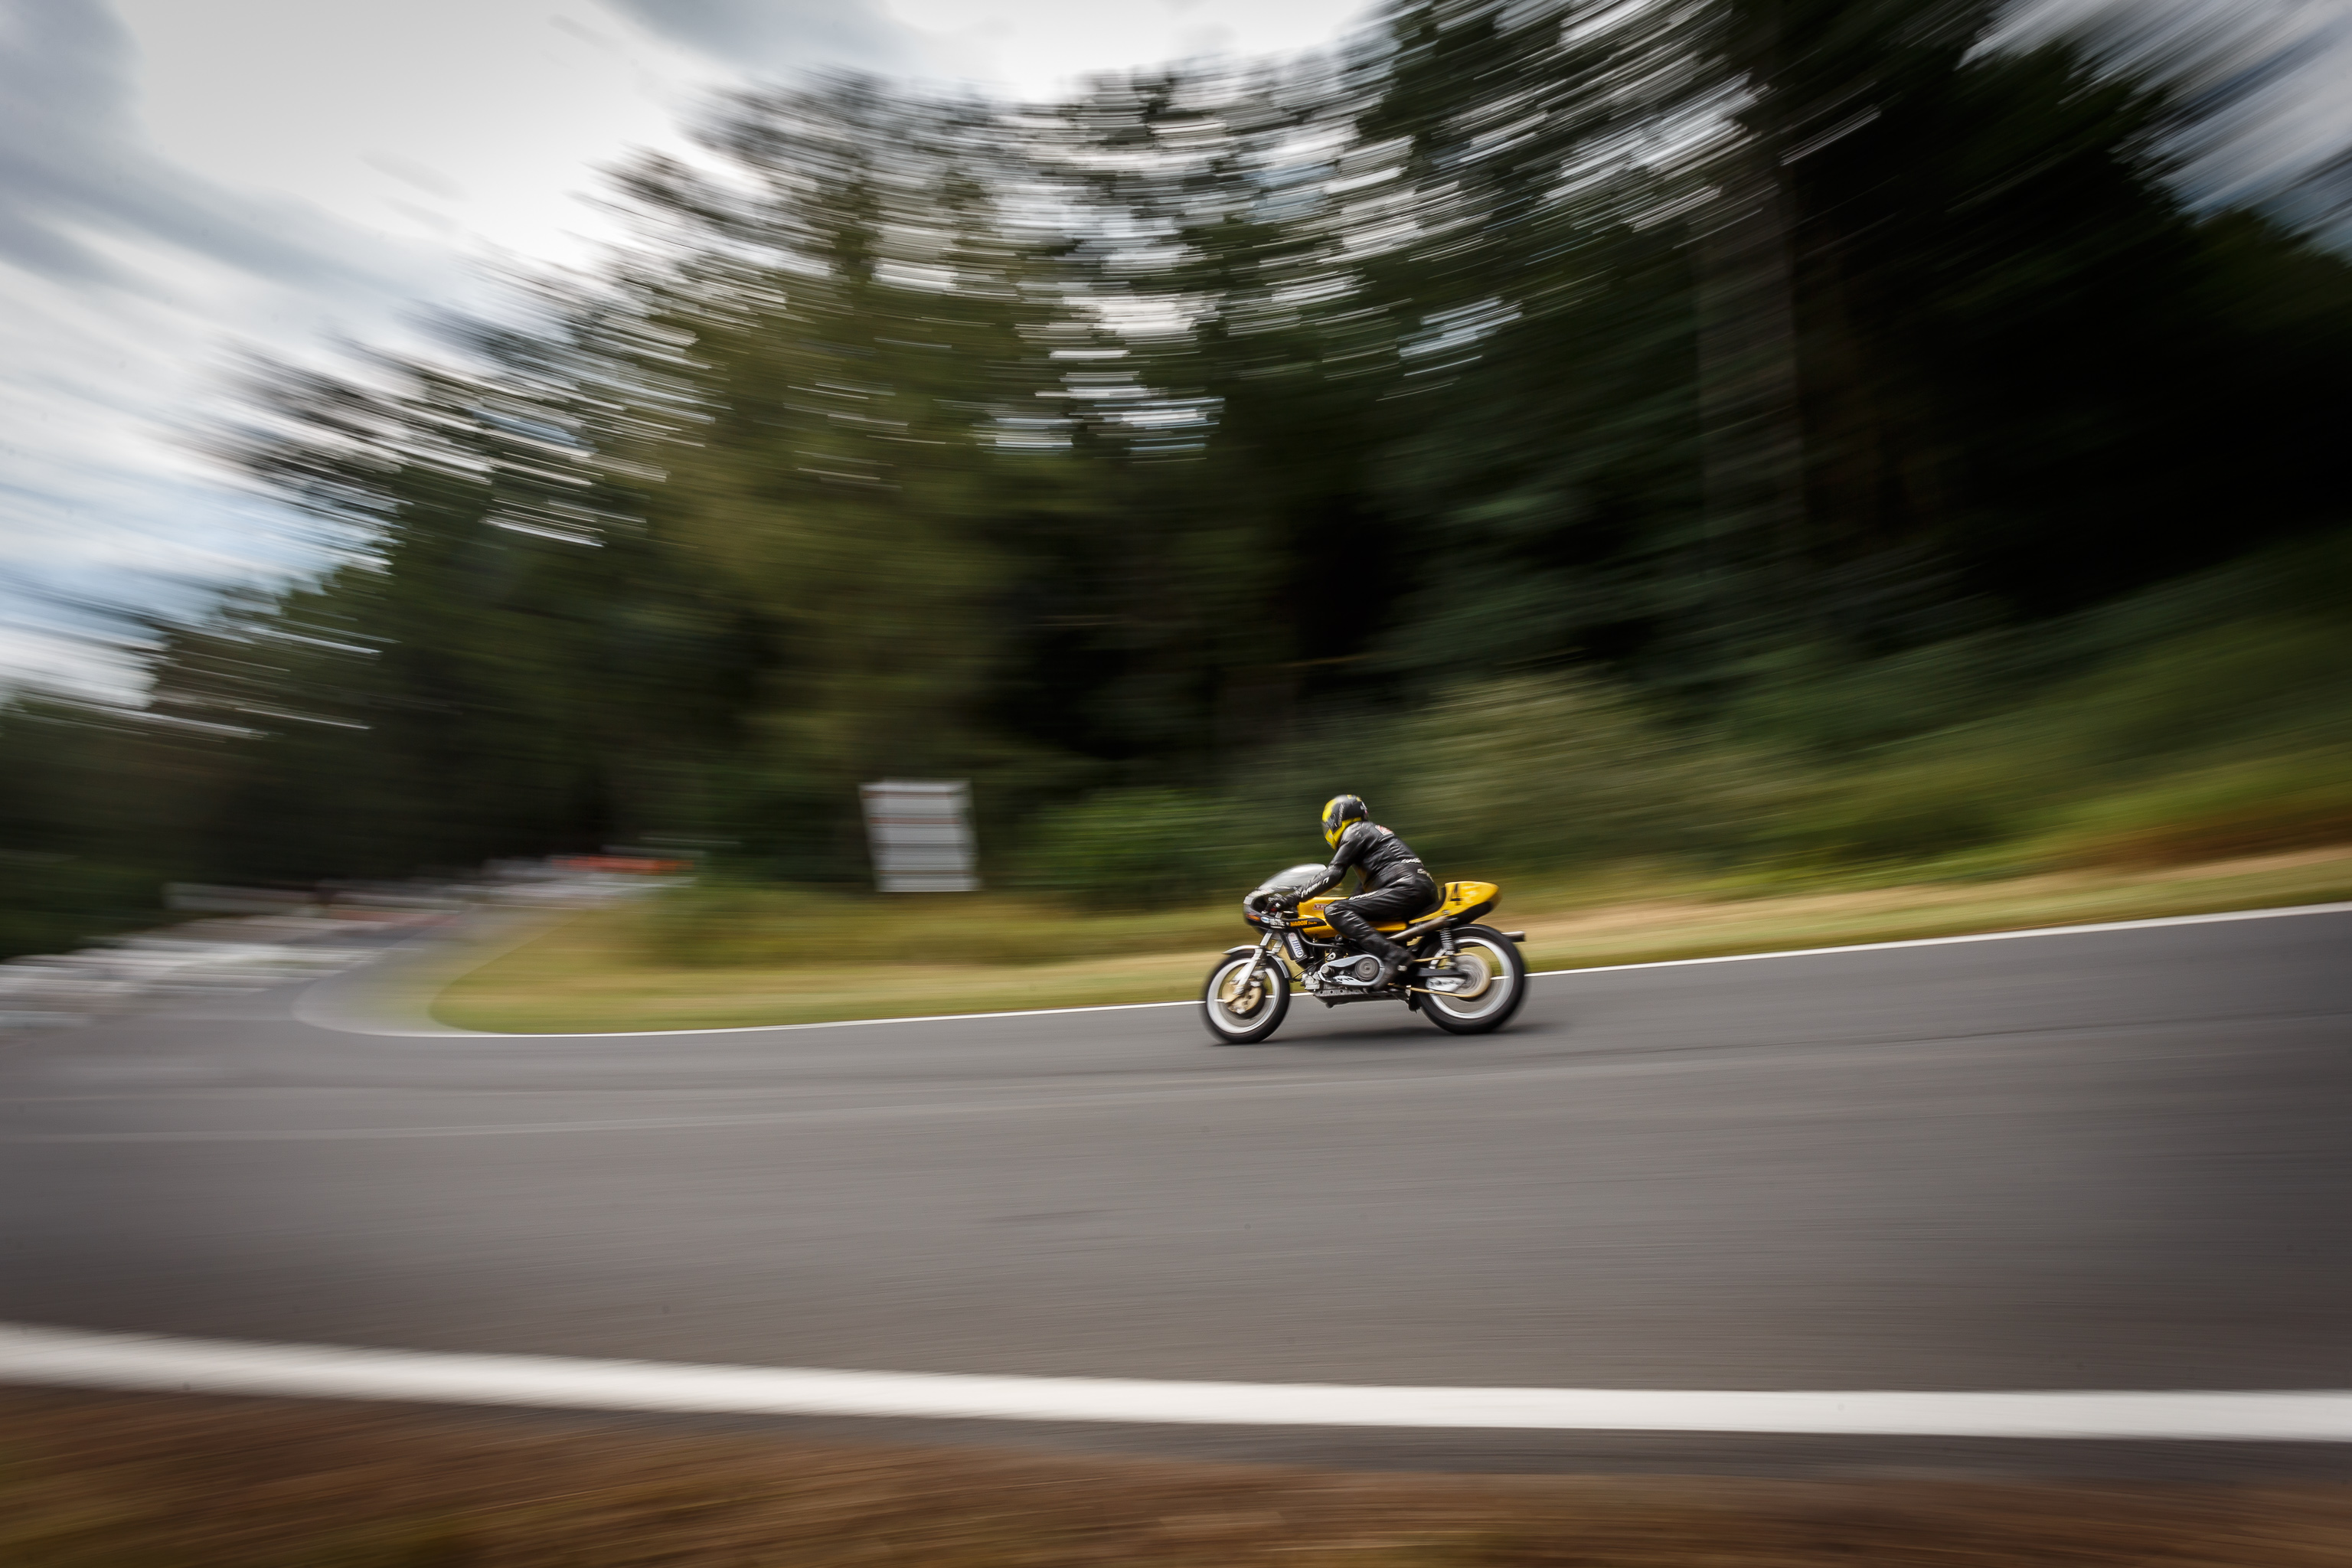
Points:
(1397, 887)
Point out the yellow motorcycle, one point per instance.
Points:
(1465, 977)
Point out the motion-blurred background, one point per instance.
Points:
(1782, 438)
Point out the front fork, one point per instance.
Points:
(1269, 946)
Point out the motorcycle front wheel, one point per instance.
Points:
(1494, 959)
(1243, 1015)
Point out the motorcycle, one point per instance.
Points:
(1465, 977)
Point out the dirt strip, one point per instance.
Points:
(110, 1481)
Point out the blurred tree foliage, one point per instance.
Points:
(1519, 410)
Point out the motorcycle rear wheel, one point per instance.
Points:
(1246, 1017)
(1496, 1001)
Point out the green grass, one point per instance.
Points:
(730, 927)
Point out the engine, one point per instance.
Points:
(1357, 969)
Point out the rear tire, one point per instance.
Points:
(1507, 985)
(1250, 1016)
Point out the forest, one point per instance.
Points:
(1776, 436)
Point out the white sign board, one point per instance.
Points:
(920, 832)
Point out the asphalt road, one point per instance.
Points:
(2113, 1160)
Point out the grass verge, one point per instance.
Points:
(113, 1481)
(624, 968)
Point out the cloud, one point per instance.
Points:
(773, 37)
(74, 171)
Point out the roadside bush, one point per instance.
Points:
(1133, 848)
(2249, 808)
(2205, 718)
(1535, 773)
(1903, 809)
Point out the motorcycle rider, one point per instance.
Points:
(1396, 885)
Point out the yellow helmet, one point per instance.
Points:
(1339, 812)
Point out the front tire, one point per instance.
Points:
(1246, 1016)
(1497, 1001)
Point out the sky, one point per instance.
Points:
(187, 183)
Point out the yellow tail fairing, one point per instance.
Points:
(1471, 898)
(1461, 899)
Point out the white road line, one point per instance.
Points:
(2152, 923)
(80, 1359)
(322, 1016)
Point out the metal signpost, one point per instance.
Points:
(920, 832)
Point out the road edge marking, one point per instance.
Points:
(77, 1358)
(2151, 923)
